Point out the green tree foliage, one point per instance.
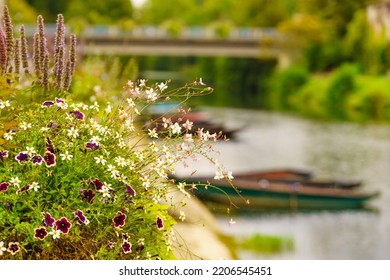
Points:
(22, 12)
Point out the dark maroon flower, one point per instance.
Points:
(22, 157)
(23, 189)
(48, 104)
(80, 217)
(98, 184)
(93, 146)
(13, 247)
(87, 195)
(119, 219)
(63, 225)
(159, 223)
(50, 159)
(4, 186)
(130, 190)
(49, 144)
(37, 160)
(48, 220)
(78, 115)
(126, 246)
(3, 154)
(40, 233)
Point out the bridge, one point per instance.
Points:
(259, 43)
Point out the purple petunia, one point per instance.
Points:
(22, 157)
(159, 223)
(50, 159)
(78, 115)
(98, 184)
(13, 247)
(63, 225)
(92, 145)
(126, 246)
(4, 186)
(3, 154)
(80, 217)
(61, 104)
(48, 104)
(40, 233)
(87, 195)
(36, 160)
(130, 190)
(119, 219)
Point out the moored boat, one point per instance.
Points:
(251, 194)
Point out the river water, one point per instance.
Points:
(337, 150)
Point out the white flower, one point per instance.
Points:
(218, 175)
(176, 129)
(8, 135)
(30, 151)
(151, 94)
(2, 248)
(25, 125)
(95, 106)
(105, 191)
(230, 175)
(231, 222)
(95, 140)
(131, 103)
(121, 161)
(100, 159)
(111, 168)
(66, 156)
(35, 186)
(15, 181)
(108, 108)
(182, 216)
(56, 233)
(152, 133)
(72, 132)
(162, 86)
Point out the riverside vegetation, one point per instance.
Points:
(86, 181)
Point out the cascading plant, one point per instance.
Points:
(83, 181)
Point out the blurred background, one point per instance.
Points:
(307, 81)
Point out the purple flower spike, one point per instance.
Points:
(159, 223)
(78, 115)
(50, 159)
(4, 186)
(47, 104)
(80, 217)
(48, 220)
(40, 233)
(119, 219)
(130, 190)
(87, 195)
(92, 146)
(13, 247)
(126, 246)
(98, 184)
(22, 157)
(63, 225)
(37, 160)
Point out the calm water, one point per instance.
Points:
(338, 150)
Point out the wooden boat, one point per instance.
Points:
(254, 195)
(304, 178)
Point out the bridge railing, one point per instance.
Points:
(159, 32)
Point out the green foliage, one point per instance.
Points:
(265, 244)
(287, 83)
(341, 86)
